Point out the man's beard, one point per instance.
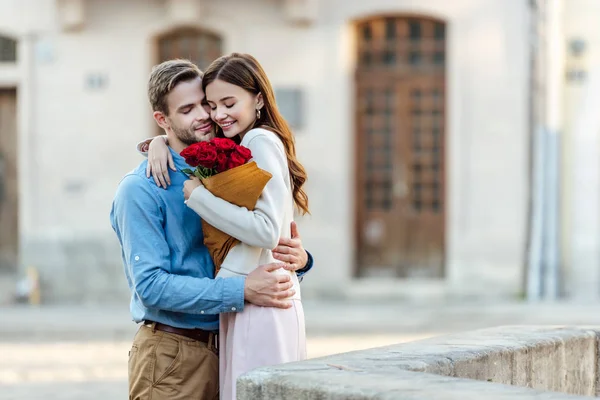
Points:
(188, 136)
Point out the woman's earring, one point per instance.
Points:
(258, 113)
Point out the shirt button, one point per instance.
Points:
(233, 308)
(137, 258)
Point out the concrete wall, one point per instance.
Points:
(77, 141)
(581, 152)
(470, 365)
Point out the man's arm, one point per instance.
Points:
(138, 221)
(293, 253)
(309, 264)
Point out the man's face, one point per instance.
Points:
(189, 114)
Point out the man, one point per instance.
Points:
(168, 268)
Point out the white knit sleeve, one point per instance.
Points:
(142, 147)
(262, 226)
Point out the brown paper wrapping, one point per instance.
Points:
(241, 186)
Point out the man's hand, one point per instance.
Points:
(263, 288)
(291, 252)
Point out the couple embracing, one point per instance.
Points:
(199, 331)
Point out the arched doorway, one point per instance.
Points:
(197, 45)
(400, 141)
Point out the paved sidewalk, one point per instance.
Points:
(73, 322)
(80, 352)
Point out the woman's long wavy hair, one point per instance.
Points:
(244, 71)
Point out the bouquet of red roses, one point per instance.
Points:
(224, 169)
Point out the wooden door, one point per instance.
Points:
(400, 98)
(198, 46)
(9, 200)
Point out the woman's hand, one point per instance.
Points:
(159, 157)
(189, 186)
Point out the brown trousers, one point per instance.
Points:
(165, 366)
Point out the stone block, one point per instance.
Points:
(500, 363)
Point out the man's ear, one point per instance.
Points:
(161, 119)
(259, 101)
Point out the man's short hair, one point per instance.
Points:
(164, 77)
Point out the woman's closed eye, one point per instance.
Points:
(226, 106)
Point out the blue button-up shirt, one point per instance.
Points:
(169, 270)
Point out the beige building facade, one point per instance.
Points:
(411, 117)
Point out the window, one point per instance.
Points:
(8, 49)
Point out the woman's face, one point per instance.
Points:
(232, 108)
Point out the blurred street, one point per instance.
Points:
(80, 352)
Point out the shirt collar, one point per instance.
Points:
(179, 160)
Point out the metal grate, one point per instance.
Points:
(427, 152)
(402, 43)
(390, 50)
(378, 125)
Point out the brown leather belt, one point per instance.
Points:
(196, 334)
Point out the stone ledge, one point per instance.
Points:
(498, 363)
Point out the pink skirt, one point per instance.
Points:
(258, 337)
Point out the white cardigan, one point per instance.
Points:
(258, 230)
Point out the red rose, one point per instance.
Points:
(235, 160)
(222, 160)
(223, 144)
(244, 152)
(190, 154)
(206, 154)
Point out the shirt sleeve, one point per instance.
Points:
(262, 226)
(309, 264)
(143, 146)
(137, 218)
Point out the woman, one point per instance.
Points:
(243, 107)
